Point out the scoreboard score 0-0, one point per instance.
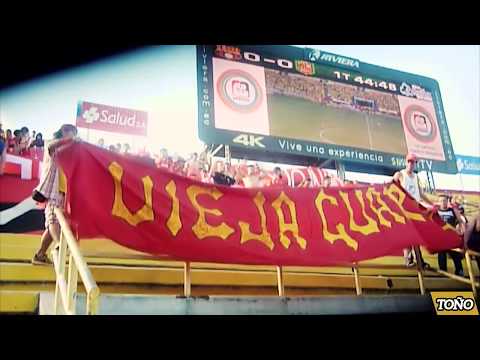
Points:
(305, 102)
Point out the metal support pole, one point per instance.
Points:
(281, 287)
(358, 286)
(340, 170)
(461, 181)
(211, 153)
(214, 152)
(72, 285)
(433, 181)
(187, 280)
(62, 258)
(325, 163)
(228, 155)
(419, 262)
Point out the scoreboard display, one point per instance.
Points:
(295, 101)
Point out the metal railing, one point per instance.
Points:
(469, 255)
(280, 271)
(67, 273)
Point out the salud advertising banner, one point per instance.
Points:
(158, 212)
(111, 118)
(468, 165)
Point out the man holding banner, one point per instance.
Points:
(409, 181)
(51, 190)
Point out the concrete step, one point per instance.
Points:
(261, 305)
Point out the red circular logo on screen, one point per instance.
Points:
(420, 123)
(239, 91)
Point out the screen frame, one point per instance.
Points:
(262, 145)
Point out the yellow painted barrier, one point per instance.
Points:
(18, 301)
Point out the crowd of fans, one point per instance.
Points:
(19, 142)
(328, 92)
(311, 89)
(199, 167)
(202, 168)
(384, 103)
(196, 166)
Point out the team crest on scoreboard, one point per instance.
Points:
(228, 52)
(305, 67)
(239, 91)
(420, 124)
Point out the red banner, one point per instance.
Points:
(111, 118)
(150, 210)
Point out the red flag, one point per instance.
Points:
(155, 211)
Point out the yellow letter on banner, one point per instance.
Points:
(390, 190)
(202, 229)
(383, 208)
(368, 229)
(293, 226)
(448, 227)
(342, 234)
(174, 224)
(264, 237)
(120, 209)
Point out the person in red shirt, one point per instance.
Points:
(3, 154)
(242, 168)
(307, 183)
(24, 141)
(193, 167)
(251, 180)
(279, 179)
(327, 181)
(17, 136)
(205, 176)
(163, 160)
(11, 144)
(265, 179)
(179, 167)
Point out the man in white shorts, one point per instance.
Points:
(409, 181)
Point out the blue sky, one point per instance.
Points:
(162, 81)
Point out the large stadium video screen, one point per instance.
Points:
(299, 101)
